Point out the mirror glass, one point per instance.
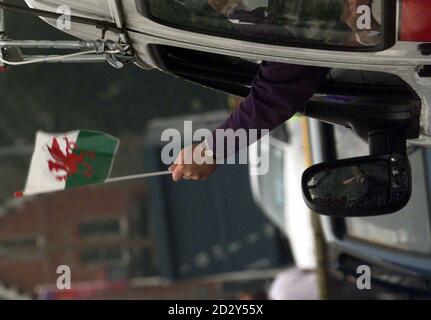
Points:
(350, 186)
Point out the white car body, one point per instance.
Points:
(402, 59)
(294, 219)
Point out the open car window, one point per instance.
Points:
(234, 76)
(315, 23)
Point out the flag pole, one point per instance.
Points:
(138, 176)
(20, 194)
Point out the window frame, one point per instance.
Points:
(101, 259)
(85, 234)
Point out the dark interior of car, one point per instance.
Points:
(234, 75)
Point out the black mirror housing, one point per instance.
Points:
(358, 187)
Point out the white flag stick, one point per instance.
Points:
(20, 194)
(138, 176)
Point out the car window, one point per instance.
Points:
(228, 74)
(316, 22)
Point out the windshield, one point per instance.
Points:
(350, 24)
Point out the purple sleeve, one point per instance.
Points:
(278, 91)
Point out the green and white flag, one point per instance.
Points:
(63, 161)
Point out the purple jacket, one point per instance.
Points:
(278, 91)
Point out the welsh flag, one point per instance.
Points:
(63, 161)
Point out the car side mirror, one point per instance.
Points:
(358, 187)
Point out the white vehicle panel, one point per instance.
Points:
(295, 221)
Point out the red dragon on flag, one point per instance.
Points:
(68, 161)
